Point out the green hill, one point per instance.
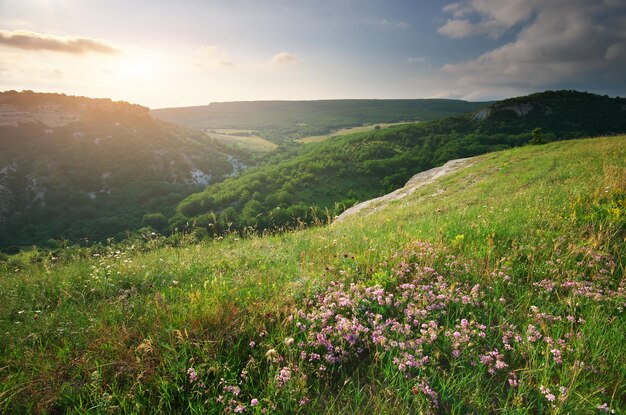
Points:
(497, 289)
(316, 181)
(283, 121)
(74, 168)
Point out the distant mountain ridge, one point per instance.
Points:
(558, 112)
(280, 121)
(57, 110)
(78, 167)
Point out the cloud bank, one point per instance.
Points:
(554, 42)
(27, 40)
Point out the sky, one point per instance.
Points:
(192, 52)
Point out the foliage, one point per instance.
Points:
(536, 140)
(313, 183)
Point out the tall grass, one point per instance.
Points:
(497, 289)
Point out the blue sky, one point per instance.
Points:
(175, 53)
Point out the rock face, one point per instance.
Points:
(521, 109)
(417, 181)
(49, 115)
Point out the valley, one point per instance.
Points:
(285, 121)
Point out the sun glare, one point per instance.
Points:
(139, 68)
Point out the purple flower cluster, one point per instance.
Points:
(464, 334)
(421, 323)
(591, 278)
(493, 360)
(423, 387)
(193, 375)
(283, 377)
(346, 322)
(547, 393)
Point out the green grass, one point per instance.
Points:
(242, 139)
(345, 131)
(118, 332)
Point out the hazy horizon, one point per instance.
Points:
(164, 55)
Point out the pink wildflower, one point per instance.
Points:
(193, 376)
(283, 377)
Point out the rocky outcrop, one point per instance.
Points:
(521, 109)
(57, 110)
(52, 116)
(417, 181)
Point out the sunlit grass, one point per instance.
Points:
(243, 139)
(541, 229)
(346, 131)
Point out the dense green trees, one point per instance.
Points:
(112, 170)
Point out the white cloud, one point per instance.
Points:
(458, 10)
(418, 59)
(284, 57)
(494, 17)
(211, 55)
(394, 24)
(616, 51)
(457, 28)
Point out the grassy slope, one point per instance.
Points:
(121, 330)
(248, 141)
(345, 131)
(257, 114)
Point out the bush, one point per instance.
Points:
(156, 221)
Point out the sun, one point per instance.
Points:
(144, 68)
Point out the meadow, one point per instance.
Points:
(497, 289)
(345, 131)
(245, 139)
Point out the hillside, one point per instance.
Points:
(75, 168)
(317, 181)
(497, 289)
(283, 121)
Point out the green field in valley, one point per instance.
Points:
(345, 131)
